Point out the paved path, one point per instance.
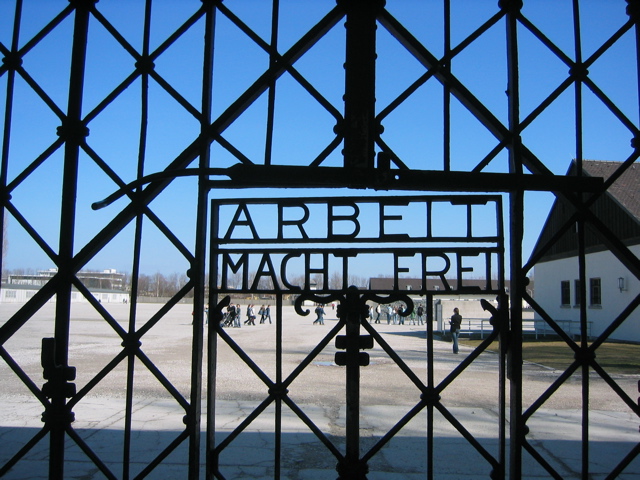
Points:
(387, 395)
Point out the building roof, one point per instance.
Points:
(625, 189)
(618, 208)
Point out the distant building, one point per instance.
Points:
(107, 286)
(610, 286)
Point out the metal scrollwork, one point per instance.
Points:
(323, 299)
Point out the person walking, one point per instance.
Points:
(267, 314)
(420, 314)
(238, 317)
(251, 317)
(320, 315)
(456, 321)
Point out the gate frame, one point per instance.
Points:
(359, 171)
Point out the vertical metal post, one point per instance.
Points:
(212, 352)
(516, 215)
(197, 272)
(278, 402)
(430, 384)
(351, 468)
(8, 113)
(503, 342)
(359, 154)
(137, 248)
(360, 82)
(73, 132)
(580, 71)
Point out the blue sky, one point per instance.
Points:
(302, 128)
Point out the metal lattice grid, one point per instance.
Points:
(60, 97)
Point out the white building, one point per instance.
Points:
(610, 281)
(106, 286)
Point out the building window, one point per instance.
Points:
(565, 293)
(595, 292)
(577, 293)
(10, 294)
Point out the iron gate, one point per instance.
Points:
(69, 128)
(255, 245)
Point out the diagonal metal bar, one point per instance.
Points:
(444, 61)
(415, 47)
(313, 427)
(541, 460)
(551, 322)
(162, 379)
(613, 108)
(163, 455)
(619, 320)
(241, 353)
(175, 241)
(101, 375)
(21, 374)
(192, 151)
(313, 354)
(38, 37)
(335, 143)
(467, 361)
(197, 15)
(26, 448)
(635, 408)
(86, 293)
(524, 21)
(23, 315)
(114, 33)
(550, 391)
(90, 453)
(32, 232)
(394, 356)
(173, 301)
(626, 461)
(468, 436)
(35, 164)
(386, 438)
(255, 413)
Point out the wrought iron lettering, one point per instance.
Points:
(318, 240)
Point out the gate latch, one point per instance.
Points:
(364, 342)
(56, 375)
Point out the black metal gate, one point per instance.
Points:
(253, 257)
(68, 70)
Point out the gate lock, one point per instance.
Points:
(56, 375)
(364, 342)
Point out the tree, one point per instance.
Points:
(335, 281)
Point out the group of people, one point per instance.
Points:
(232, 317)
(394, 314)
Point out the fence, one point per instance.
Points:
(530, 327)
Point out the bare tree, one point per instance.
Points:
(318, 280)
(144, 284)
(358, 281)
(335, 281)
